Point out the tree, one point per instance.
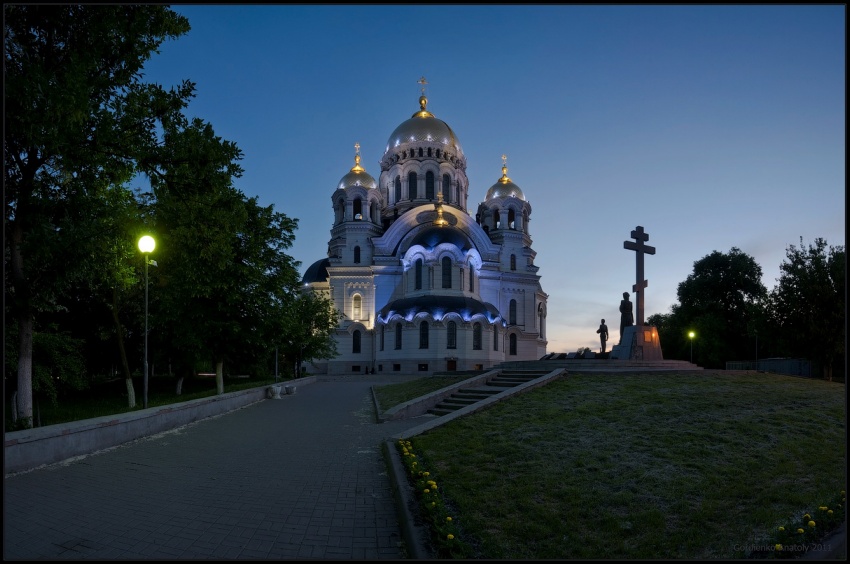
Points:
(808, 302)
(307, 325)
(77, 117)
(718, 301)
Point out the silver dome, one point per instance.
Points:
(358, 178)
(424, 127)
(504, 187)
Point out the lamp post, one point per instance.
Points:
(691, 336)
(146, 245)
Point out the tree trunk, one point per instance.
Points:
(219, 376)
(125, 366)
(179, 385)
(24, 317)
(25, 369)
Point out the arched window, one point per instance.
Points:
(513, 262)
(451, 335)
(447, 188)
(447, 272)
(476, 337)
(420, 151)
(471, 279)
(340, 211)
(457, 195)
(541, 319)
(411, 186)
(511, 219)
(398, 336)
(357, 302)
(358, 209)
(513, 344)
(429, 151)
(418, 274)
(357, 255)
(429, 185)
(355, 342)
(397, 188)
(383, 327)
(423, 335)
(512, 313)
(495, 337)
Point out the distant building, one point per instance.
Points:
(422, 285)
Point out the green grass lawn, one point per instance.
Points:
(636, 466)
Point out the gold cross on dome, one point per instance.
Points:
(357, 148)
(504, 160)
(423, 82)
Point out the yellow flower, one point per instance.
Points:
(426, 473)
(823, 508)
(781, 528)
(800, 531)
(829, 512)
(426, 490)
(778, 547)
(806, 516)
(433, 503)
(448, 518)
(811, 523)
(450, 536)
(434, 486)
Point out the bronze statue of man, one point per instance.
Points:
(603, 334)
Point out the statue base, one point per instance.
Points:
(638, 343)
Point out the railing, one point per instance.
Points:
(790, 366)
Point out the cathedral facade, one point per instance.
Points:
(421, 285)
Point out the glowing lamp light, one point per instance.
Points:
(147, 244)
(691, 336)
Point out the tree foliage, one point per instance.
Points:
(77, 117)
(720, 302)
(82, 126)
(807, 305)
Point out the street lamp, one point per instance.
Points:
(691, 336)
(146, 245)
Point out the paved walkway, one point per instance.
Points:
(301, 477)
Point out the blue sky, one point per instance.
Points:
(711, 126)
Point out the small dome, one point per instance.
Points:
(424, 127)
(357, 176)
(318, 272)
(504, 187)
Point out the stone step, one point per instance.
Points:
(453, 400)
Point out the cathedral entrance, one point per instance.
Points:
(451, 365)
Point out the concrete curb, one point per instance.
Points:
(416, 535)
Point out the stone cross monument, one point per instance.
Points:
(640, 249)
(638, 341)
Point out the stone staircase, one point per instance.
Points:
(497, 384)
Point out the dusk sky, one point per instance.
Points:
(713, 126)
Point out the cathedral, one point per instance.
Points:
(421, 285)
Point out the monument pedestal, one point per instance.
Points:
(639, 342)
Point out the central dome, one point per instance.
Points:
(424, 127)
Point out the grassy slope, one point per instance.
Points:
(641, 466)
